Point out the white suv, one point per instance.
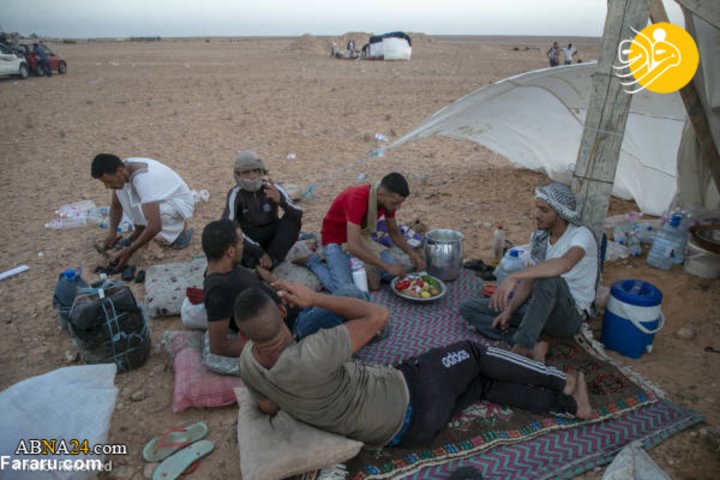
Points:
(11, 64)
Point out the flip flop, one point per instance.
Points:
(174, 466)
(159, 448)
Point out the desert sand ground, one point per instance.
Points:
(193, 103)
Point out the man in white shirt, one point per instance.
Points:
(153, 196)
(568, 53)
(552, 296)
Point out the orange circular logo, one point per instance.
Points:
(661, 58)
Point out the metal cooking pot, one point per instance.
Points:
(444, 253)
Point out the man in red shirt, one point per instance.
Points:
(346, 230)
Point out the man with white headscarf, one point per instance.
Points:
(552, 296)
(254, 204)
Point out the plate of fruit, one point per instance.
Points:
(419, 287)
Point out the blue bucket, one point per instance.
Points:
(632, 317)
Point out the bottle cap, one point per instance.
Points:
(70, 274)
(514, 253)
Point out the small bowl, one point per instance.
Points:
(443, 289)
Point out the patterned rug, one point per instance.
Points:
(502, 442)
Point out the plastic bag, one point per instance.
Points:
(64, 404)
(193, 316)
(633, 462)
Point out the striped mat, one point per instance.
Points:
(501, 442)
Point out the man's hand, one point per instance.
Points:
(295, 294)
(111, 239)
(502, 321)
(265, 274)
(120, 259)
(272, 192)
(265, 262)
(396, 270)
(500, 299)
(418, 262)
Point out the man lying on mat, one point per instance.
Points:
(317, 381)
(556, 293)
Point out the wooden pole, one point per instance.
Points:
(693, 105)
(708, 10)
(605, 123)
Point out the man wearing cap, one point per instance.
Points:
(555, 294)
(253, 203)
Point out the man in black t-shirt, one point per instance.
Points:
(222, 242)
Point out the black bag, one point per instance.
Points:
(110, 329)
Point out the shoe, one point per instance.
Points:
(159, 448)
(183, 240)
(140, 277)
(128, 273)
(175, 465)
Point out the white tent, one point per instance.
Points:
(390, 46)
(536, 120)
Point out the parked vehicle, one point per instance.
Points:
(13, 64)
(57, 63)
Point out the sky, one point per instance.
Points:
(184, 18)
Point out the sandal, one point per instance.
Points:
(174, 466)
(183, 240)
(173, 440)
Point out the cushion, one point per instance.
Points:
(165, 286)
(218, 363)
(195, 386)
(279, 447)
(293, 273)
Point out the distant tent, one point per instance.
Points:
(390, 46)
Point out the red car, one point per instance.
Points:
(57, 63)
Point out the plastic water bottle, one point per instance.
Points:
(510, 263)
(668, 241)
(201, 196)
(679, 257)
(622, 230)
(97, 214)
(66, 288)
(65, 223)
(359, 274)
(646, 232)
(633, 242)
(124, 227)
(498, 243)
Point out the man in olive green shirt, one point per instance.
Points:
(317, 381)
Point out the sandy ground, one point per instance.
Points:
(192, 104)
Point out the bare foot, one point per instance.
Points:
(570, 382)
(582, 398)
(521, 351)
(537, 353)
(540, 350)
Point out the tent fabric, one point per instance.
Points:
(696, 189)
(536, 121)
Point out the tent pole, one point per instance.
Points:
(691, 98)
(607, 114)
(708, 11)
